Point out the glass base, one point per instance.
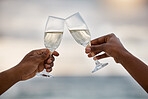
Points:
(99, 66)
(44, 74)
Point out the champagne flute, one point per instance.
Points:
(81, 34)
(52, 36)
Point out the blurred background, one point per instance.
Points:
(22, 24)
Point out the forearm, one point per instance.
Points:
(137, 69)
(8, 78)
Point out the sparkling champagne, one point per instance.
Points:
(52, 40)
(81, 36)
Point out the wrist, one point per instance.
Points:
(15, 74)
(121, 56)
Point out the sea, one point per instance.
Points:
(72, 87)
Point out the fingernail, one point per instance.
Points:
(95, 58)
(92, 54)
(88, 49)
(89, 55)
(48, 70)
(49, 61)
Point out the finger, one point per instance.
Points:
(49, 61)
(102, 39)
(87, 49)
(47, 66)
(45, 52)
(101, 56)
(92, 54)
(52, 58)
(55, 53)
(49, 70)
(97, 48)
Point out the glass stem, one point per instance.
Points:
(98, 64)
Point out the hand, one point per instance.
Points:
(35, 62)
(112, 47)
(109, 44)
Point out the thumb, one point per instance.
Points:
(41, 55)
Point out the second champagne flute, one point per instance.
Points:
(52, 36)
(81, 34)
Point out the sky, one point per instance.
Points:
(22, 26)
